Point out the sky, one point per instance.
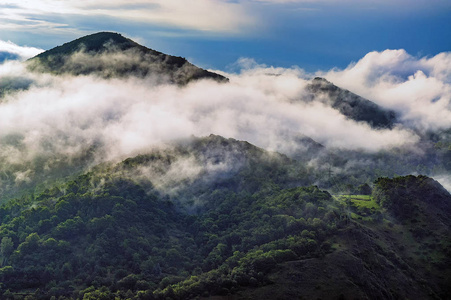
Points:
(311, 34)
(394, 53)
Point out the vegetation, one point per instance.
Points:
(219, 217)
(112, 233)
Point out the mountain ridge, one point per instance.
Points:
(216, 217)
(253, 236)
(82, 57)
(352, 105)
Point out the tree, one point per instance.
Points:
(6, 248)
(364, 189)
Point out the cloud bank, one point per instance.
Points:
(53, 117)
(17, 52)
(419, 89)
(260, 105)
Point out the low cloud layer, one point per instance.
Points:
(62, 116)
(419, 89)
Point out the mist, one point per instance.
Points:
(60, 117)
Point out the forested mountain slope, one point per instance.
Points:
(106, 193)
(240, 226)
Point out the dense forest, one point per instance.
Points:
(112, 233)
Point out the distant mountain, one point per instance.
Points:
(351, 105)
(11, 83)
(195, 167)
(108, 54)
(4, 55)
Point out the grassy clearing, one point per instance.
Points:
(362, 206)
(359, 201)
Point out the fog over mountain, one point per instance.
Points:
(95, 96)
(417, 88)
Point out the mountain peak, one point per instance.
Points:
(320, 80)
(85, 56)
(351, 105)
(97, 42)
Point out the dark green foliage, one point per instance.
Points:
(116, 232)
(112, 231)
(364, 189)
(403, 196)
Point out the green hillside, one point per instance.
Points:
(245, 229)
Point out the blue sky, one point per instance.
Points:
(311, 34)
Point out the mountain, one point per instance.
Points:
(108, 54)
(409, 197)
(214, 217)
(219, 217)
(351, 105)
(4, 55)
(380, 257)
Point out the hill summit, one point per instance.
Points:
(351, 105)
(108, 54)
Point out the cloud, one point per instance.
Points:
(66, 115)
(200, 15)
(419, 89)
(48, 119)
(18, 52)
(444, 180)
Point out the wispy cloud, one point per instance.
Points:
(202, 15)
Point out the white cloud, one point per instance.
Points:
(63, 116)
(22, 51)
(203, 15)
(66, 115)
(419, 89)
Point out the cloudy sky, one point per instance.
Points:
(394, 53)
(312, 34)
